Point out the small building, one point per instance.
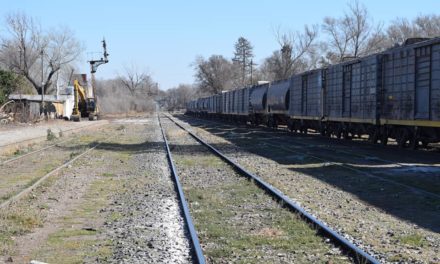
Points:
(56, 106)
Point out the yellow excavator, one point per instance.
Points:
(86, 106)
(83, 106)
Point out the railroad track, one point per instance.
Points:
(269, 141)
(39, 180)
(195, 244)
(349, 248)
(27, 154)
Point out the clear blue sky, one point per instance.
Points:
(164, 37)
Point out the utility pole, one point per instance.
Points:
(42, 79)
(252, 71)
(252, 66)
(244, 68)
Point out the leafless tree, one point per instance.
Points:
(352, 35)
(114, 98)
(292, 56)
(423, 26)
(215, 74)
(136, 81)
(178, 97)
(26, 44)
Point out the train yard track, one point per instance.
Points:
(349, 248)
(24, 184)
(154, 191)
(378, 182)
(338, 161)
(197, 249)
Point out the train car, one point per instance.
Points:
(258, 104)
(278, 100)
(307, 101)
(190, 107)
(392, 94)
(241, 105)
(217, 105)
(411, 93)
(211, 105)
(202, 107)
(351, 97)
(227, 104)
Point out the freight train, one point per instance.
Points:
(392, 94)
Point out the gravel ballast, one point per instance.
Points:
(151, 227)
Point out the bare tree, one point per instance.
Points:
(352, 35)
(178, 97)
(114, 98)
(26, 45)
(135, 80)
(215, 74)
(292, 56)
(423, 26)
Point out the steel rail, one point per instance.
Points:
(358, 254)
(25, 191)
(197, 249)
(27, 154)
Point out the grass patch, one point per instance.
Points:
(209, 161)
(415, 240)
(18, 152)
(15, 222)
(50, 135)
(73, 244)
(221, 214)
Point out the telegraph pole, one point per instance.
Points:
(42, 79)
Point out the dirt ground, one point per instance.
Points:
(18, 135)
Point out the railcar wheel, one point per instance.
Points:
(414, 143)
(345, 134)
(328, 133)
(373, 136)
(402, 138)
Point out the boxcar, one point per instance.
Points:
(306, 101)
(241, 104)
(351, 97)
(411, 93)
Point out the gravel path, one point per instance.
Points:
(18, 133)
(389, 238)
(151, 229)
